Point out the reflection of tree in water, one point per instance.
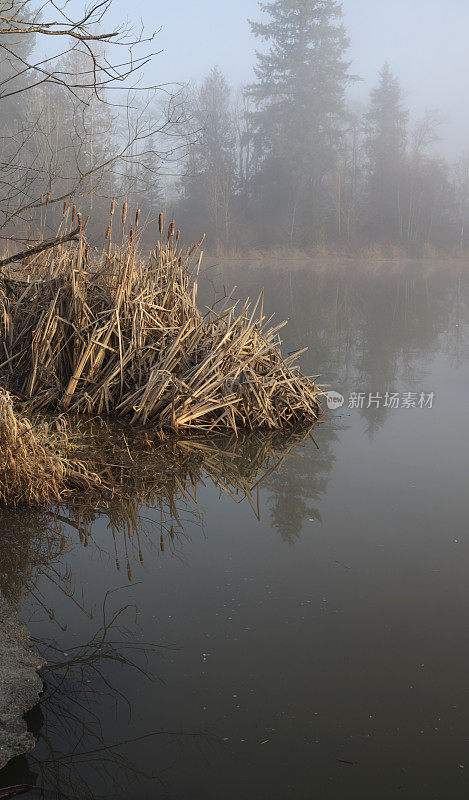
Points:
(456, 340)
(299, 486)
(82, 680)
(80, 762)
(76, 759)
(368, 328)
(398, 337)
(35, 542)
(238, 466)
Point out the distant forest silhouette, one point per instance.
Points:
(287, 162)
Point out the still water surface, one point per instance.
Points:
(307, 641)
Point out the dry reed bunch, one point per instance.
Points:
(32, 469)
(113, 333)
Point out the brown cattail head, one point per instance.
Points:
(202, 239)
(124, 213)
(113, 205)
(108, 232)
(131, 236)
(177, 236)
(160, 222)
(74, 213)
(79, 220)
(65, 207)
(137, 217)
(171, 229)
(42, 198)
(48, 198)
(86, 222)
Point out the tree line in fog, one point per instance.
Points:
(286, 161)
(289, 161)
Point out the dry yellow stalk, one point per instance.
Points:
(122, 335)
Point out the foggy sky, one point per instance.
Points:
(425, 42)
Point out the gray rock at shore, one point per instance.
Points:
(20, 684)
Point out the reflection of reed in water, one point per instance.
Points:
(76, 756)
(167, 478)
(164, 478)
(77, 759)
(32, 541)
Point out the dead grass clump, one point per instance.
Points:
(29, 470)
(32, 469)
(113, 333)
(46, 462)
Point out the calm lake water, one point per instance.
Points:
(309, 640)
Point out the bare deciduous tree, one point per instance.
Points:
(71, 119)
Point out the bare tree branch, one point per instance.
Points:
(39, 248)
(93, 146)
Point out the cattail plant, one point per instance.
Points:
(124, 338)
(109, 230)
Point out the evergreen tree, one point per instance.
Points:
(385, 129)
(299, 105)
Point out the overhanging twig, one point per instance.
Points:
(39, 248)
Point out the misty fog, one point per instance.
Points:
(346, 137)
(234, 379)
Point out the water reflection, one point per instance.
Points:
(296, 490)
(187, 637)
(369, 327)
(35, 543)
(83, 683)
(77, 759)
